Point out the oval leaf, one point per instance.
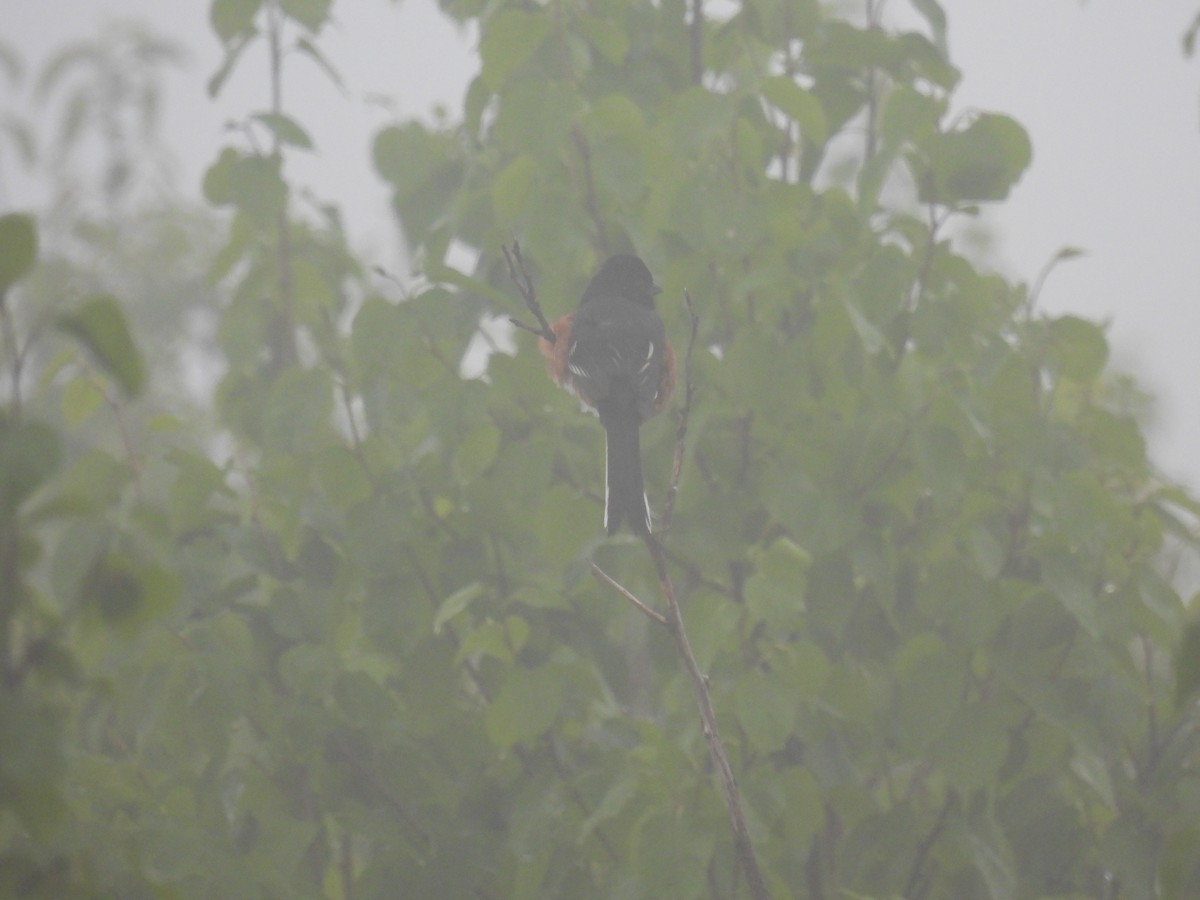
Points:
(1079, 347)
(29, 454)
(285, 129)
(18, 248)
(799, 105)
(981, 162)
(508, 41)
(99, 324)
(231, 17)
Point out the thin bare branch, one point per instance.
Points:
(519, 273)
(743, 848)
(627, 594)
(685, 412)
(673, 620)
(590, 201)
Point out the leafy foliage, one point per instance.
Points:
(917, 542)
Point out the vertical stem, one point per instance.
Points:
(589, 189)
(284, 337)
(10, 540)
(873, 10)
(346, 867)
(696, 33)
(12, 348)
(743, 848)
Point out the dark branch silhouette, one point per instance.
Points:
(519, 273)
(673, 622)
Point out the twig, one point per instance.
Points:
(872, 137)
(685, 412)
(520, 275)
(285, 350)
(1062, 255)
(589, 188)
(915, 874)
(627, 594)
(13, 349)
(743, 848)
(696, 41)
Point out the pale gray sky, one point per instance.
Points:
(1112, 107)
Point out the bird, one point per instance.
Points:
(612, 352)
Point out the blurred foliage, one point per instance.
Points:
(917, 540)
(107, 97)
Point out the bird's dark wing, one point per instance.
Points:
(617, 354)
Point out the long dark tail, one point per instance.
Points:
(624, 491)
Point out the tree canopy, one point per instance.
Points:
(336, 634)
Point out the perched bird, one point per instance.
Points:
(613, 353)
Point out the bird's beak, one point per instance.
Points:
(656, 289)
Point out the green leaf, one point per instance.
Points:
(974, 744)
(99, 325)
(942, 462)
(490, 638)
(908, 114)
(563, 523)
(11, 65)
(872, 338)
(125, 594)
(1080, 348)
(928, 678)
(285, 129)
(309, 49)
(767, 709)
(308, 670)
(297, 411)
(606, 36)
(476, 451)
(510, 191)
(254, 184)
(231, 17)
(698, 117)
(81, 397)
(978, 163)
(508, 41)
(526, 706)
(312, 14)
(1074, 592)
(989, 850)
(1114, 437)
(259, 189)
(535, 118)
(1093, 771)
(233, 52)
(342, 477)
(798, 104)
(32, 763)
(1068, 252)
(456, 603)
(615, 799)
(30, 453)
(775, 591)
(18, 248)
(404, 154)
(198, 481)
(1189, 37)
(424, 169)
(1187, 665)
(936, 17)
